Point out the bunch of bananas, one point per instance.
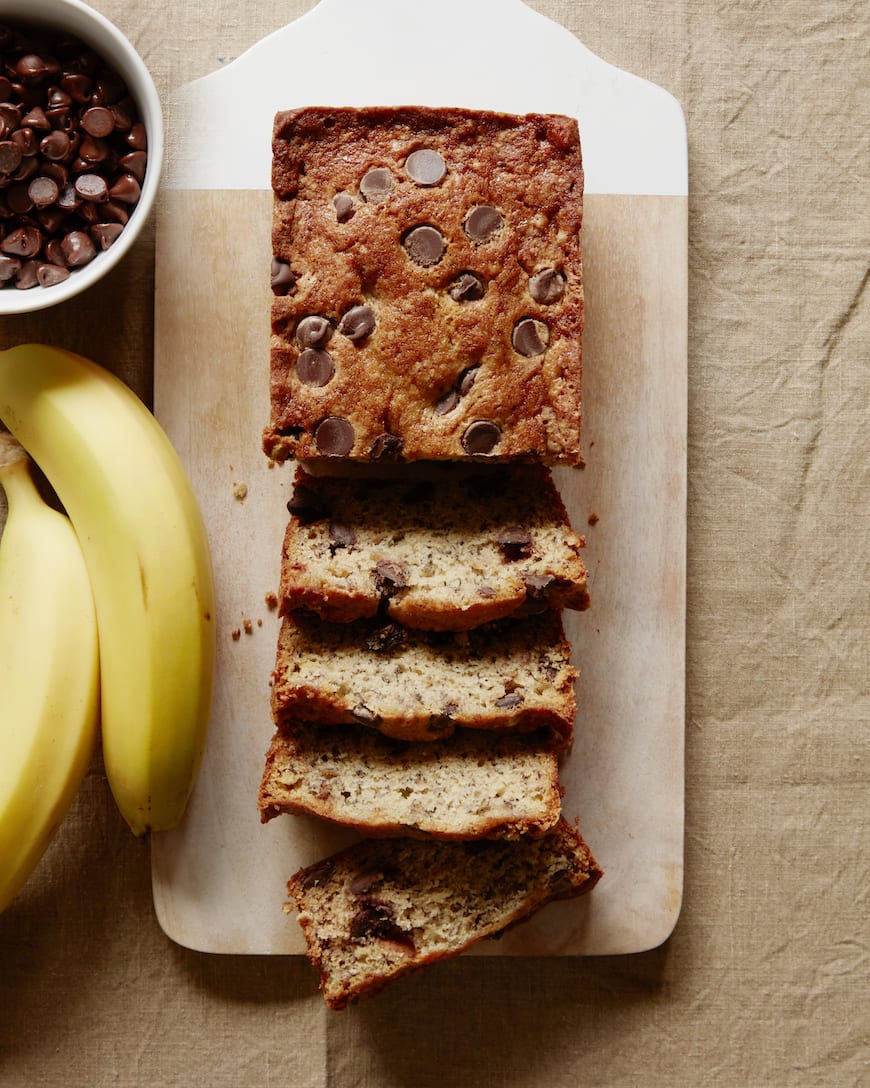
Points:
(105, 616)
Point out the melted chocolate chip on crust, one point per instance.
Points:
(547, 286)
(376, 185)
(334, 437)
(425, 166)
(425, 245)
(482, 223)
(357, 323)
(481, 437)
(530, 337)
(315, 368)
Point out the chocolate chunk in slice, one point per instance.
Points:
(547, 286)
(425, 166)
(425, 245)
(515, 543)
(530, 337)
(390, 577)
(376, 185)
(482, 223)
(481, 437)
(334, 437)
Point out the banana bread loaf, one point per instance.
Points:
(421, 685)
(466, 546)
(465, 787)
(428, 297)
(386, 907)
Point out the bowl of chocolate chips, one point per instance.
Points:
(81, 147)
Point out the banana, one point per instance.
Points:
(49, 672)
(145, 546)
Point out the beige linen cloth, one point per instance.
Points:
(764, 981)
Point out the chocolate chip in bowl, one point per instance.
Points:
(81, 147)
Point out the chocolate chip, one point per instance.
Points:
(341, 536)
(386, 447)
(547, 286)
(481, 437)
(104, 234)
(47, 275)
(357, 323)
(126, 189)
(482, 223)
(55, 146)
(283, 279)
(315, 368)
(447, 403)
(24, 242)
(334, 437)
(10, 157)
(313, 331)
(515, 542)
(390, 577)
(98, 121)
(386, 639)
(426, 167)
(92, 187)
(43, 191)
(530, 337)
(343, 204)
(509, 701)
(376, 185)
(78, 249)
(467, 287)
(365, 716)
(425, 245)
(466, 380)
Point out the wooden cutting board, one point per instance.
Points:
(219, 878)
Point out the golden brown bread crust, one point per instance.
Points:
(468, 786)
(465, 546)
(438, 372)
(382, 909)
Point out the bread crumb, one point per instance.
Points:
(248, 626)
(259, 623)
(237, 634)
(593, 518)
(271, 600)
(240, 492)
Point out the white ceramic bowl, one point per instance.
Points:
(95, 30)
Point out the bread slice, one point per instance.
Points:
(463, 546)
(383, 908)
(420, 685)
(467, 786)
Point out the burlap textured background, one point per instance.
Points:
(764, 980)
